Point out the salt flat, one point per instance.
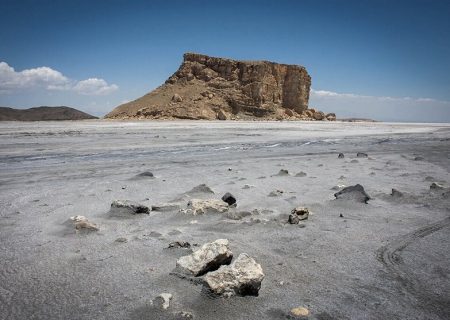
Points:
(385, 259)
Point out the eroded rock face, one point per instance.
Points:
(209, 257)
(243, 277)
(207, 87)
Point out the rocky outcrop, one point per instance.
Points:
(216, 88)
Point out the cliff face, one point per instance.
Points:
(216, 88)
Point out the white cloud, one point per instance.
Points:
(49, 79)
(94, 86)
(331, 94)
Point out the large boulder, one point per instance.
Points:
(208, 258)
(319, 115)
(243, 277)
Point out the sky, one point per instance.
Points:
(385, 60)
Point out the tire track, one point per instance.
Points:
(390, 256)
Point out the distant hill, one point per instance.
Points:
(43, 114)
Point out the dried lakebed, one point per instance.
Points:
(346, 259)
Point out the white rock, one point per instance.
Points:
(209, 257)
(242, 277)
(199, 206)
(163, 300)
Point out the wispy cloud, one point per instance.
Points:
(330, 94)
(382, 108)
(49, 79)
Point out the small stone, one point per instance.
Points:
(229, 198)
(301, 174)
(283, 172)
(418, 159)
(341, 156)
(132, 207)
(185, 315)
(163, 301)
(338, 187)
(354, 161)
(341, 215)
(289, 112)
(177, 98)
(276, 193)
(208, 258)
(300, 312)
(361, 155)
(248, 186)
(297, 214)
(180, 244)
(221, 115)
(436, 186)
(396, 193)
(82, 223)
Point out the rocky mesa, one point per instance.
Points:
(211, 88)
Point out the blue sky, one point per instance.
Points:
(387, 60)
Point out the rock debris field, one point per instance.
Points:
(224, 220)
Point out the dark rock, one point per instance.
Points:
(131, 207)
(180, 244)
(355, 192)
(436, 186)
(361, 155)
(229, 198)
(341, 155)
(145, 174)
(396, 193)
(297, 214)
(283, 172)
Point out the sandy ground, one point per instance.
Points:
(388, 259)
